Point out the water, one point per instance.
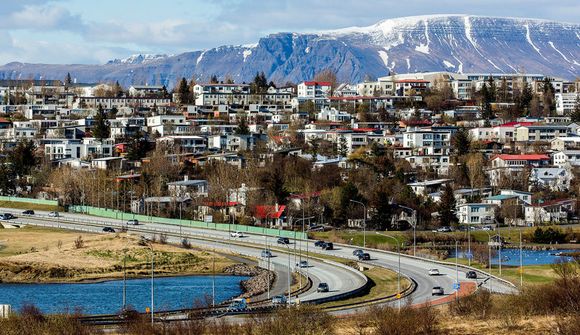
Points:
(107, 297)
(511, 257)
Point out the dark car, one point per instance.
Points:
(6, 216)
(28, 212)
(283, 240)
(108, 230)
(319, 243)
(322, 287)
(364, 256)
(471, 275)
(357, 252)
(327, 246)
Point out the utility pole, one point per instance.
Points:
(364, 222)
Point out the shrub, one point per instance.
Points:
(79, 243)
(408, 321)
(162, 238)
(550, 235)
(185, 244)
(477, 305)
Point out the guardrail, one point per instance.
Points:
(470, 268)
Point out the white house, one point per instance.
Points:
(333, 115)
(564, 157)
(73, 148)
(188, 188)
(566, 102)
(553, 211)
(314, 89)
(556, 179)
(565, 142)
(476, 213)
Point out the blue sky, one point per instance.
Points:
(94, 31)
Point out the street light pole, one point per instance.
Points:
(364, 222)
(399, 266)
(289, 271)
(521, 262)
(456, 266)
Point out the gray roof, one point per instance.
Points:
(188, 182)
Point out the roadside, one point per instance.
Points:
(32, 254)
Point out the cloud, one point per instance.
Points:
(42, 17)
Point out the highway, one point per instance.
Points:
(340, 279)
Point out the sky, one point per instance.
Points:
(95, 31)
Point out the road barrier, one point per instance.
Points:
(115, 214)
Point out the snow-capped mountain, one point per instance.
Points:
(456, 43)
(139, 59)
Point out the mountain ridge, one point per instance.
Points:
(454, 42)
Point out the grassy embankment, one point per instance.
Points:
(23, 206)
(33, 254)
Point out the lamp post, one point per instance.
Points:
(289, 271)
(399, 266)
(489, 259)
(364, 222)
(303, 220)
(150, 245)
(456, 266)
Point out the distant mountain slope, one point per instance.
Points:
(456, 43)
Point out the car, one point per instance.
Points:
(365, 256)
(357, 252)
(6, 216)
(327, 246)
(133, 222)
(319, 243)
(28, 212)
(283, 240)
(53, 214)
(471, 275)
(487, 228)
(445, 229)
(437, 290)
(279, 300)
(266, 253)
(108, 230)
(434, 272)
(302, 264)
(237, 234)
(238, 305)
(322, 287)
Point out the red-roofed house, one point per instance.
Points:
(511, 165)
(268, 215)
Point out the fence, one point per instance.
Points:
(115, 214)
(30, 201)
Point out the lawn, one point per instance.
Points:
(24, 205)
(385, 284)
(533, 274)
(355, 237)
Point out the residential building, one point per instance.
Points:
(476, 213)
(566, 102)
(187, 188)
(565, 157)
(553, 211)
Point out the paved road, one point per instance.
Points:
(338, 280)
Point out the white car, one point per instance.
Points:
(53, 214)
(237, 234)
(434, 272)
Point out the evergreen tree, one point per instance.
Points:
(101, 128)
(526, 97)
(117, 90)
(183, 91)
(485, 103)
(461, 142)
(242, 128)
(22, 158)
(7, 179)
(492, 90)
(575, 115)
(447, 207)
(137, 147)
(67, 80)
(213, 79)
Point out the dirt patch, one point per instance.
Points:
(38, 255)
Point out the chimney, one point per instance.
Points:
(186, 177)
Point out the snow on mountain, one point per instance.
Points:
(139, 59)
(461, 43)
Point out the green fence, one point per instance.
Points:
(114, 214)
(30, 201)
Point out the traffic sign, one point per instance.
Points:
(398, 295)
(456, 286)
(147, 310)
(469, 255)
